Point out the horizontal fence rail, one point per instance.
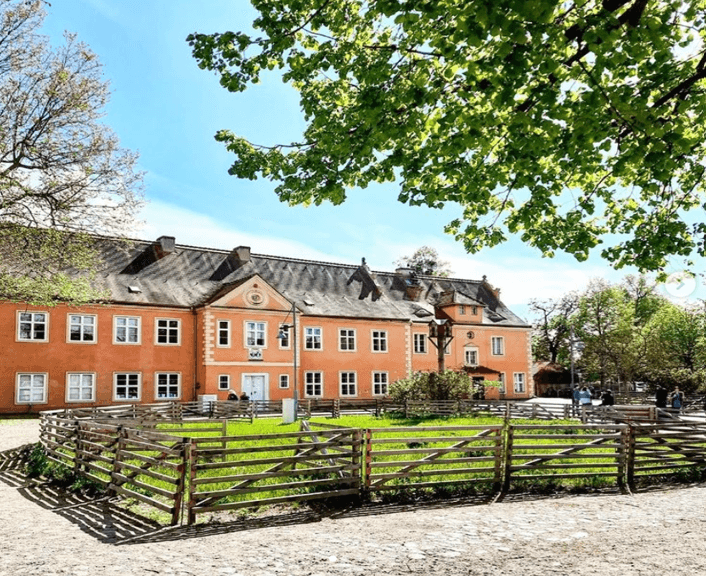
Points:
(657, 449)
(421, 457)
(289, 467)
(191, 464)
(551, 452)
(141, 464)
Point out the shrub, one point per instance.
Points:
(447, 385)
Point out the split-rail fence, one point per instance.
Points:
(191, 466)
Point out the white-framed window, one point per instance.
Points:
(312, 339)
(503, 389)
(33, 326)
(223, 335)
(126, 330)
(255, 334)
(127, 386)
(313, 384)
(346, 340)
(31, 388)
(380, 382)
(82, 328)
(498, 345)
(284, 343)
(474, 310)
(284, 380)
(462, 310)
(470, 356)
(347, 382)
(519, 381)
(167, 385)
(379, 340)
(80, 387)
(224, 381)
(167, 331)
(420, 343)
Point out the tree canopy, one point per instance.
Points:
(63, 173)
(426, 260)
(624, 333)
(571, 124)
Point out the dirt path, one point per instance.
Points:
(651, 533)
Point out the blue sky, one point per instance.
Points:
(167, 109)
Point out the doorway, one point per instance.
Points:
(255, 386)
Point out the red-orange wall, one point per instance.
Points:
(57, 357)
(200, 360)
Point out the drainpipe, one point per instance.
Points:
(196, 355)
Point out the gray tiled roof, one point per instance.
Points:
(191, 276)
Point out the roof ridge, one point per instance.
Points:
(286, 258)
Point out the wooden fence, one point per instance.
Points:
(412, 408)
(574, 451)
(288, 467)
(196, 467)
(138, 463)
(422, 457)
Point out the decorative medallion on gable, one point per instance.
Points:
(253, 292)
(256, 297)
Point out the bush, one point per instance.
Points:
(448, 385)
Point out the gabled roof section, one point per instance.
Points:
(189, 277)
(455, 297)
(252, 292)
(368, 282)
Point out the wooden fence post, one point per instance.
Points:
(623, 457)
(507, 455)
(498, 463)
(78, 446)
(191, 504)
(368, 458)
(356, 460)
(630, 456)
(182, 469)
(119, 449)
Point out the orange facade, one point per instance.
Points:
(351, 339)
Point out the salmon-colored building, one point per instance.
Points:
(183, 323)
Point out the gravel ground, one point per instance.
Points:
(650, 533)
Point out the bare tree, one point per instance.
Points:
(426, 260)
(63, 173)
(553, 325)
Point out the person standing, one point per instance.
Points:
(607, 398)
(575, 395)
(661, 397)
(584, 401)
(677, 399)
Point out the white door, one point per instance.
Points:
(255, 386)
